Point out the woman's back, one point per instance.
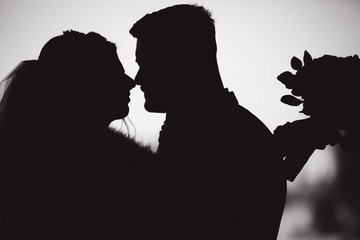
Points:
(72, 192)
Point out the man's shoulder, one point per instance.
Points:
(238, 115)
(245, 120)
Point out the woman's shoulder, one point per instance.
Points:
(102, 147)
(119, 140)
(123, 146)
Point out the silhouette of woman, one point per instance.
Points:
(64, 173)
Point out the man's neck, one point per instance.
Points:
(193, 107)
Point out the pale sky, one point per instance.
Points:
(256, 40)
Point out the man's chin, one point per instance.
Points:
(154, 108)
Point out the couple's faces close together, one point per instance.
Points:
(155, 77)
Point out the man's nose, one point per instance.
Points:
(139, 77)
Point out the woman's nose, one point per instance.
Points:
(131, 82)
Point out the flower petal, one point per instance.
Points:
(291, 100)
(296, 63)
(307, 58)
(286, 78)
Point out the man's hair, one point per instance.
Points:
(191, 26)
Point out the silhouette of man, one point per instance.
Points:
(220, 177)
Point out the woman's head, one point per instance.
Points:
(77, 80)
(90, 80)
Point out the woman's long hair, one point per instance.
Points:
(17, 108)
(20, 103)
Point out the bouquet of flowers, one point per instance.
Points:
(329, 90)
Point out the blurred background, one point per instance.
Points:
(256, 40)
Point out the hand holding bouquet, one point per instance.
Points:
(329, 90)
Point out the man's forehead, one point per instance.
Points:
(146, 47)
(149, 43)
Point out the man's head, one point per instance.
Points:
(175, 48)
